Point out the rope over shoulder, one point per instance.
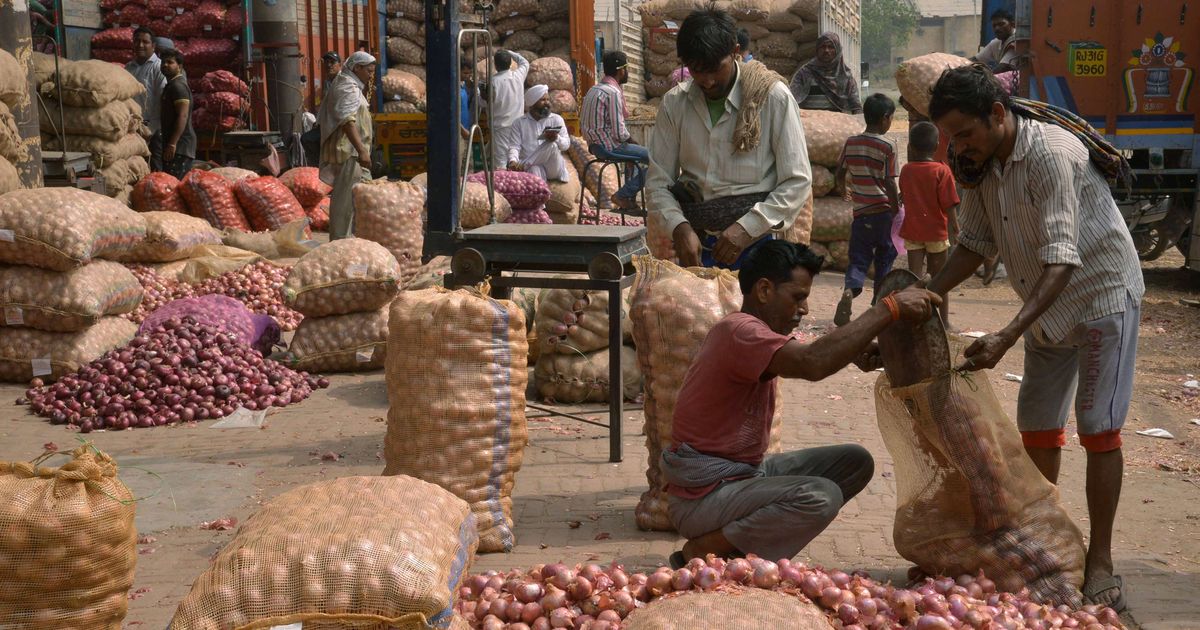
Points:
(757, 81)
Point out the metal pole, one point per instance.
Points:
(15, 37)
(276, 30)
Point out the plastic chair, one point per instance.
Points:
(604, 164)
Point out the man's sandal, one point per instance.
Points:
(1092, 589)
(677, 561)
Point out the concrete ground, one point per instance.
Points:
(193, 474)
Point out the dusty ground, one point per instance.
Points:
(201, 474)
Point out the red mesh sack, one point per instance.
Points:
(159, 9)
(224, 81)
(318, 215)
(210, 197)
(159, 25)
(113, 55)
(210, 13)
(235, 21)
(305, 182)
(224, 103)
(209, 120)
(109, 5)
(157, 191)
(113, 38)
(267, 203)
(216, 52)
(185, 25)
(131, 15)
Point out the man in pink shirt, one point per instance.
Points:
(726, 497)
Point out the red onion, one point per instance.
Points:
(848, 614)
(738, 570)
(528, 592)
(766, 574)
(933, 603)
(932, 622)
(682, 580)
(659, 582)
(554, 598)
(810, 585)
(530, 612)
(831, 596)
(840, 579)
(579, 588)
(562, 618)
(609, 615)
(707, 578)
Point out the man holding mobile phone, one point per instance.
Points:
(541, 139)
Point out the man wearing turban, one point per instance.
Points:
(541, 139)
(346, 135)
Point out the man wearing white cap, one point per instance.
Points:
(346, 135)
(541, 138)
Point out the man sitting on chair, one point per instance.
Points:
(541, 138)
(602, 122)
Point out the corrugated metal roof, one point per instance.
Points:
(948, 8)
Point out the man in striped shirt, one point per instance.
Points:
(602, 121)
(869, 161)
(1044, 206)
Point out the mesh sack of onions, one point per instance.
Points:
(13, 86)
(456, 375)
(523, 191)
(563, 101)
(69, 542)
(171, 236)
(11, 147)
(657, 239)
(305, 183)
(404, 51)
(63, 228)
(95, 83)
(210, 197)
(26, 353)
(552, 72)
(113, 55)
(225, 103)
(672, 310)
(822, 181)
(321, 554)
(267, 203)
(968, 499)
(916, 77)
(66, 301)
(157, 191)
(224, 313)
(390, 214)
(112, 38)
(831, 219)
(350, 275)
(356, 342)
(289, 241)
(825, 134)
(745, 608)
(800, 231)
(509, 25)
(571, 321)
(578, 378)
(224, 81)
(234, 174)
(318, 215)
(401, 85)
(180, 371)
(211, 120)
(110, 122)
(536, 216)
(9, 179)
(476, 211)
(429, 275)
(601, 188)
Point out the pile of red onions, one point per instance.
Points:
(179, 372)
(157, 291)
(592, 598)
(257, 286)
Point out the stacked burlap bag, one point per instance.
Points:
(222, 102)
(783, 35)
(456, 377)
(60, 302)
(540, 27)
(601, 188)
(323, 556)
(403, 92)
(69, 542)
(343, 288)
(916, 77)
(672, 309)
(14, 92)
(99, 117)
(171, 236)
(572, 329)
(406, 32)
(825, 134)
(554, 73)
(390, 213)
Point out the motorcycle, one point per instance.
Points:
(1156, 225)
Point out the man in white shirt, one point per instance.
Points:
(728, 163)
(508, 103)
(1000, 54)
(147, 69)
(540, 137)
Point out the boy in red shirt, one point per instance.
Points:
(930, 197)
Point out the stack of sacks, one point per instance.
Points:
(571, 328)
(554, 73)
(403, 92)
(312, 193)
(601, 189)
(825, 133)
(783, 35)
(344, 289)
(115, 45)
(389, 213)
(13, 91)
(222, 102)
(99, 117)
(476, 211)
(205, 31)
(526, 193)
(60, 303)
(406, 33)
(212, 198)
(532, 26)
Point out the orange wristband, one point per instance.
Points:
(890, 303)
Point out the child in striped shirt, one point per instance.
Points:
(868, 162)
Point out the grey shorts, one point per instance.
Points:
(1092, 368)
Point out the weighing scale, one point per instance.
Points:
(603, 255)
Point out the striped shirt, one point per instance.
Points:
(870, 159)
(1050, 206)
(602, 117)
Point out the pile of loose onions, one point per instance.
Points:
(157, 290)
(179, 372)
(591, 598)
(258, 287)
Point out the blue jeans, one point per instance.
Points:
(637, 156)
(707, 243)
(870, 241)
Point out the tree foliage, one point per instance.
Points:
(886, 24)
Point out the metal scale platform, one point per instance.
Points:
(598, 257)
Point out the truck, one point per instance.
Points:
(1128, 67)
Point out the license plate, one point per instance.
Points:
(1089, 61)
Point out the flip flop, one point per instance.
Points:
(1092, 589)
(676, 560)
